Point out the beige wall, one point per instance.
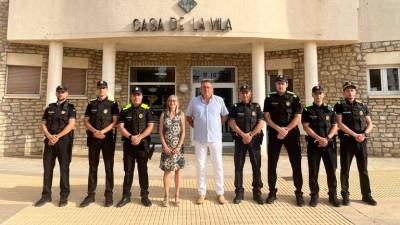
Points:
(278, 19)
(379, 20)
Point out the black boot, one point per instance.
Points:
(109, 201)
(271, 197)
(258, 198)
(345, 200)
(299, 198)
(238, 198)
(125, 200)
(369, 200)
(89, 199)
(146, 201)
(334, 200)
(63, 202)
(314, 200)
(42, 201)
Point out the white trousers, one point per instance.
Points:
(216, 159)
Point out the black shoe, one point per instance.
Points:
(109, 201)
(42, 201)
(258, 198)
(271, 197)
(314, 200)
(63, 202)
(299, 199)
(146, 201)
(345, 200)
(125, 200)
(88, 199)
(238, 199)
(369, 200)
(334, 200)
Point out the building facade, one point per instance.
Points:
(167, 47)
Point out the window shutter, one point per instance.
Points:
(23, 80)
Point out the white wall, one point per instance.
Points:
(278, 19)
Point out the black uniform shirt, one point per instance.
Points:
(321, 118)
(100, 112)
(282, 108)
(57, 117)
(246, 116)
(142, 114)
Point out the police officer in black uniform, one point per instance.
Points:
(355, 125)
(319, 122)
(100, 118)
(58, 122)
(246, 121)
(136, 123)
(282, 112)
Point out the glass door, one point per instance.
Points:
(224, 83)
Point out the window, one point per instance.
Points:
(384, 81)
(75, 80)
(272, 74)
(157, 83)
(23, 80)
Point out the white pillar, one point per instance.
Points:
(310, 69)
(54, 74)
(108, 71)
(258, 81)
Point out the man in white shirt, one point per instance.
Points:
(206, 114)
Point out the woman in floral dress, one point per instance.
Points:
(172, 135)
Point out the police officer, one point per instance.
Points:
(136, 123)
(282, 112)
(246, 121)
(355, 125)
(100, 118)
(58, 122)
(319, 122)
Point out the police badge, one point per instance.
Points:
(361, 113)
(287, 103)
(105, 111)
(140, 115)
(253, 113)
(327, 118)
(63, 112)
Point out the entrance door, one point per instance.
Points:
(224, 83)
(158, 83)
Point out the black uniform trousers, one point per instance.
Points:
(255, 159)
(139, 154)
(329, 157)
(292, 144)
(62, 151)
(107, 149)
(349, 148)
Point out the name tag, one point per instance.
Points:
(313, 117)
(346, 112)
(51, 112)
(129, 118)
(94, 110)
(274, 103)
(240, 114)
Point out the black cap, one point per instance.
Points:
(245, 87)
(280, 78)
(61, 88)
(317, 88)
(136, 90)
(348, 84)
(102, 84)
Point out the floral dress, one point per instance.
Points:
(172, 133)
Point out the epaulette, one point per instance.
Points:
(292, 93)
(358, 101)
(128, 106)
(111, 99)
(341, 101)
(144, 106)
(271, 93)
(307, 106)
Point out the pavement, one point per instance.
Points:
(21, 184)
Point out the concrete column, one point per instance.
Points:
(54, 74)
(310, 69)
(258, 81)
(108, 71)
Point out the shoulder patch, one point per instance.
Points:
(128, 106)
(144, 106)
(111, 99)
(329, 107)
